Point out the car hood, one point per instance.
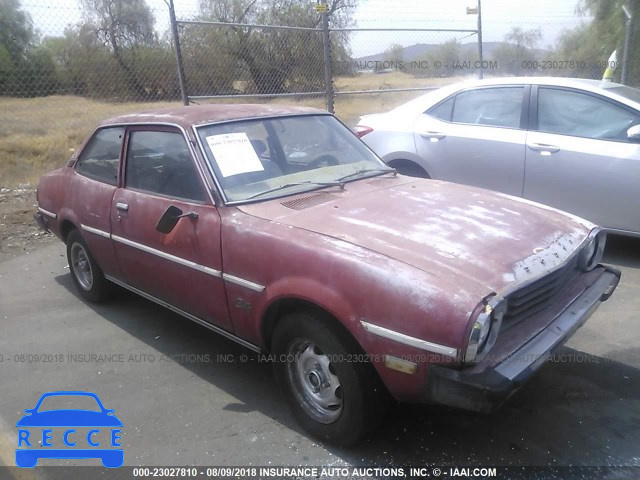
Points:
(462, 233)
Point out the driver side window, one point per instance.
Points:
(160, 162)
(568, 112)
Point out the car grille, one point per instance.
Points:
(540, 294)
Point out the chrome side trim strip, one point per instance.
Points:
(48, 213)
(243, 283)
(95, 231)
(167, 256)
(193, 318)
(411, 341)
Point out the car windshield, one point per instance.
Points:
(272, 157)
(69, 402)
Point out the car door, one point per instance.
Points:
(91, 192)
(579, 159)
(476, 137)
(184, 266)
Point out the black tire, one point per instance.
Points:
(85, 271)
(408, 168)
(350, 399)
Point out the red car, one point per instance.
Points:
(278, 228)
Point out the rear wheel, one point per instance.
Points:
(409, 168)
(333, 393)
(85, 272)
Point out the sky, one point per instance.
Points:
(499, 16)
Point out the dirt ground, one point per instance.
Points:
(19, 232)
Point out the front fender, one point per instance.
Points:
(324, 297)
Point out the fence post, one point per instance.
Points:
(326, 42)
(628, 25)
(481, 73)
(176, 41)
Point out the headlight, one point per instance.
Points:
(591, 253)
(485, 328)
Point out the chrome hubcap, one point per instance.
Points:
(315, 383)
(81, 266)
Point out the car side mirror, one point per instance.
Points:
(169, 220)
(633, 133)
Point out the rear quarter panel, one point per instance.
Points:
(78, 201)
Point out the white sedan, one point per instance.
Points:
(573, 144)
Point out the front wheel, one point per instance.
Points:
(85, 272)
(333, 396)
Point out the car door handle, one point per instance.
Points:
(123, 207)
(433, 136)
(543, 148)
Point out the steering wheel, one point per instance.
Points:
(324, 161)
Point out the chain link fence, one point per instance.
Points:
(64, 65)
(126, 50)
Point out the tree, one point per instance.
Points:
(272, 60)
(84, 65)
(16, 30)
(26, 67)
(124, 26)
(394, 54)
(448, 53)
(16, 37)
(517, 50)
(592, 42)
(439, 60)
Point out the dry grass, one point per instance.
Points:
(388, 80)
(38, 134)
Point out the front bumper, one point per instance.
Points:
(484, 391)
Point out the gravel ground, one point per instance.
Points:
(19, 233)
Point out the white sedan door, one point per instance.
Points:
(579, 159)
(475, 137)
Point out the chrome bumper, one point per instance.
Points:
(485, 391)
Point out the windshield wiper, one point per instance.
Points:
(337, 183)
(368, 170)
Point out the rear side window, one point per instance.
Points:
(160, 162)
(443, 110)
(496, 107)
(572, 113)
(101, 157)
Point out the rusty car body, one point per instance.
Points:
(277, 228)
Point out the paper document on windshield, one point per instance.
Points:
(234, 154)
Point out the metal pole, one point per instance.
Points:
(248, 25)
(627, 45)
(480, 73)
(176, 41)
(328, 74)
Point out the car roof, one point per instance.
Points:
(584, 83)
(211, 113)
(598, 86)
(418, 104)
